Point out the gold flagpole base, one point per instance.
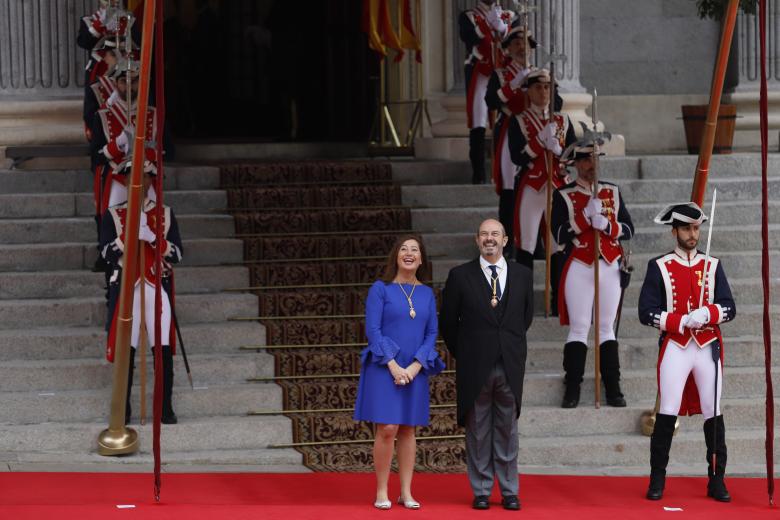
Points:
(117, 442)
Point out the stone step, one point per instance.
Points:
(92, 405)
(546, 388)
(745, 446)
(85, 312)
(59, 375)
(737, 264)
(747, 323)
(65, 343)
(228, 461)
(431, 172)
(642, 353)
(82, 229)
(745, 292)
(646, 240)
(196, 434)
(82, 255)
(684, 166)
(656, 191)
(556, 422)
(467, 219)
(182, 177)
(70, 284)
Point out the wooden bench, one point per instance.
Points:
(20, 154)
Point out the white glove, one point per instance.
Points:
(144, 221)
(549, 139)
(113, 98)
(123, 142)
(698, 318)
(494, 19)
(684, 322)
(110, 24)
(593, 208)
(518, 79)
(145, 234)
(599, 221)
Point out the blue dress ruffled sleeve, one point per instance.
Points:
(427, 355)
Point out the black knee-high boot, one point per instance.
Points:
(610, 373)
(477, 155)
(574, 354)
(130, 370)
(506, 209)
(660, 444)
(716, 487)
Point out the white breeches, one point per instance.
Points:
(479, 108)
(676, 365)
(165, 319)
(533, 204)
(508, 168)
(119, 194)
(579, 299)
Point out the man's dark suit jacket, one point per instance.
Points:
(477, 335)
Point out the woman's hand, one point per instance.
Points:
(413, 369)
(400, 375)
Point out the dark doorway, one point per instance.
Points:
(268, 70)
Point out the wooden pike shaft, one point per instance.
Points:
(718, 77)
(596, 254)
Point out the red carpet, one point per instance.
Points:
(348, 496)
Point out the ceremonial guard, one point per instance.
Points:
(506, 97)
(112, 242)
(577, 216)
(690, 357)
(535, 139)
(113, 128)
(482, 29)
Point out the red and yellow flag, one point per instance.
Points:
(370, 26)
(387, 32)
(407, 31)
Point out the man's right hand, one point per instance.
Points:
(494, 19)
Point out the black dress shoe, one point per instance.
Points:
(481, 502)
(169, 419)
(654, 493)
(571, 398)
(617, 402)
(510, 502)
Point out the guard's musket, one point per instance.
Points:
(596, 254)
(550, 160)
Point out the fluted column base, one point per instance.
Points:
(747, 125)
(41, 122)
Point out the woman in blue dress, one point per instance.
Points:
(401, 328)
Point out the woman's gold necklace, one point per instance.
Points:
(412, 312)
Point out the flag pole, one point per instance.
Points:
(117, 439)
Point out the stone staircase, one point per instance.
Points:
(55, 384)
(585, 440)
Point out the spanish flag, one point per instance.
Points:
(370, 26)
(408, 34)
(386, 30)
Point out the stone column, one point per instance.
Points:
(746, 92)
(41, 71)
(567, 35)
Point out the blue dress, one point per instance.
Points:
(393, 334)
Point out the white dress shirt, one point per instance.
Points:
(502, 268)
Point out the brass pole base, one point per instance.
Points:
(647, 420)
(117, 442)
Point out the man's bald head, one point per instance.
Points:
(491, 240)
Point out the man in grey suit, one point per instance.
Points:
(487, 307)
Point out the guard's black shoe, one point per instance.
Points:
(571, 398)
(617, 402)
(481, 502)
(510, 502)
(716, 489)
(169, 419)
(654, 493)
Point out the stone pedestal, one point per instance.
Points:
(41, 71)
(746, 93)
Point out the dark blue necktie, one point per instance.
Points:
(494, 270)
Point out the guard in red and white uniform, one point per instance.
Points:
(690, 343)
(532, 134)
(576, 218)
(112, 248)
(482, 29)
(505, 96)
